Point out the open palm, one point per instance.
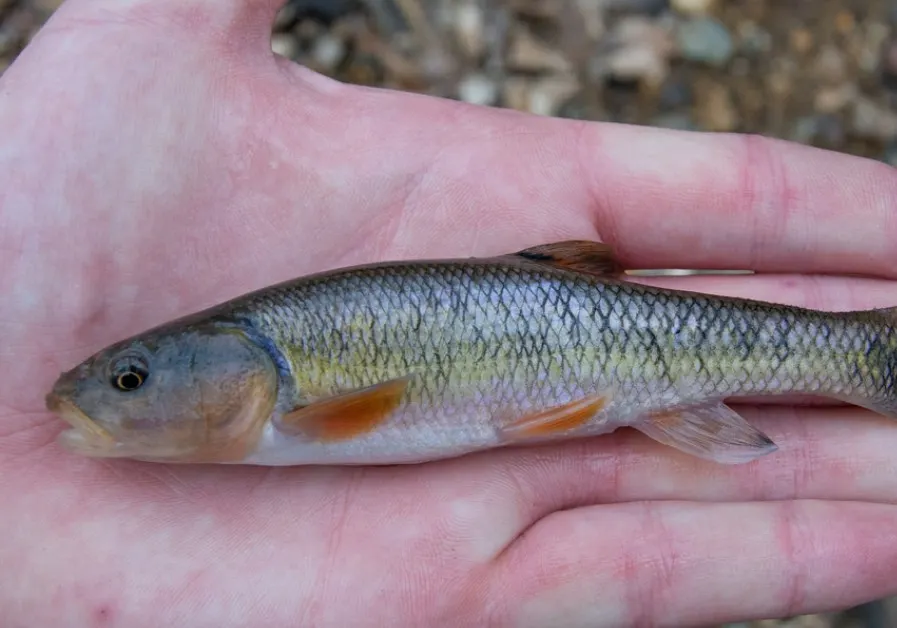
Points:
(157, 158)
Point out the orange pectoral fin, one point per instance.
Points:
(345, 416)
(554, 420)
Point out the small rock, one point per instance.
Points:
(286, 17)
(801, 40)
(47, 6)
(592, 13)
(529, 54)
(478, 89)
(845, 22)
(677, 120)
(538, 9)
(285, 45)
(13, 29)
(675, 92)
(692, 7)
(637, 50)
(804, 129)
(637, 63)
(826, 130)
(715, 108)
(830, 131)
(469, 27)
(647, 7)
(871, 120)
(515, 93)
(874, 38)
(833, 99)
(889, 65)
(547, 95)
(705, 40)
(325, 11)
(328, 51)
(754, 38)
(576, 108)
(830, 66)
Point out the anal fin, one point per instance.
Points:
(345, 416)
(555, 420)
(712, 431)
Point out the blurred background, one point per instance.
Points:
(819, 72)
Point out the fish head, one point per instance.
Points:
(201, 393)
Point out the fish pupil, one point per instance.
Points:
(130, 381)
(129, 374)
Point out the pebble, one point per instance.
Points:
(845, 22)
(325, 11)
(548, 94)
(801, 40)
(692, 7)
(872, 120)
(576, 108)
(328, 51)
(830, 66)
(675, 120)
(47, 6)
(675, 93)
(478, 89)
(890, 154)
(469, 27)
(827, 130)
(529, 54)
(285, 45)
(705, 40)
(645, 7)
(754, 38)
(872, 41)
(715, 108)
(639, 50)
(889, 65)
(834, 99)
(515, 93)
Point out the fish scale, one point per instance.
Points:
(410, 361)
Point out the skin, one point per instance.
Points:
(157, 158)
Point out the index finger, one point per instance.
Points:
(676, 199)
(662, 198)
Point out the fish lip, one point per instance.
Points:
(90, 432)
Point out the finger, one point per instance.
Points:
(820, 292)
(740, 201)
(824, 453)
(681, 564)
(662, 198)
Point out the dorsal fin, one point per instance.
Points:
(582, 256)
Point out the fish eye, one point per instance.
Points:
(129, 373)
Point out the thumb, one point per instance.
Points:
(232, 24)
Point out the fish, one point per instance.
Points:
(412, 361)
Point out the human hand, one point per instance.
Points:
(157, 159)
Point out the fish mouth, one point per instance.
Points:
(85, 436)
